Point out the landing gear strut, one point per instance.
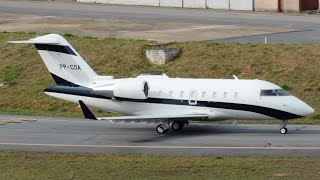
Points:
(283, 125)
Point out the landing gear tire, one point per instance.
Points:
(283, 130)
(161, 130)
(177, 126)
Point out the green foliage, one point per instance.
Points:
(69, 35)
(10, 72)
(236, 71)
(219, 157)
(214, 67)
(53, 107)
(90, 37)
(307, 89)
(316, 117)
(286, 87)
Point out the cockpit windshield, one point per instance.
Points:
(282, 92)
(274, 92)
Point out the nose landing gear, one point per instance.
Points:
(283, 125)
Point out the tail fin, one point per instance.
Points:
(65, 65)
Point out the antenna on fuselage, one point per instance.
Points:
(235, 77)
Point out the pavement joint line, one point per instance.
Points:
(158, 147)
(189, 29)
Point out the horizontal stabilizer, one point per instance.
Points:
(86, 111)
(38, 40)
(34, 41)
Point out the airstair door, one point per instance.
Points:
(193, 97)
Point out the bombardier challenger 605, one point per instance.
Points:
(170, 102)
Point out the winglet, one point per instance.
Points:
(86, 111)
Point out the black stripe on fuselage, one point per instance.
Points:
(83, 91)
(55, 48)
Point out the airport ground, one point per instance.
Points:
(293, 66)
(160, 24)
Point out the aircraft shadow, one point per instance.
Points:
(204, 130)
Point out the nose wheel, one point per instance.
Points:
(283, 131)
(283, 125)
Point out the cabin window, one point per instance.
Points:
(193, 94)
(225, 94)
(159, 94)
(236, 95)
(204, 94)
(214, 94)
(181, 93)
(171, 93)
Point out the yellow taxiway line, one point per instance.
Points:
(157, 147)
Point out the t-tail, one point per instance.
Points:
(66, 66)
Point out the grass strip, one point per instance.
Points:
(30, 165)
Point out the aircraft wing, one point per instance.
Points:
(143, 118)
(156, 117)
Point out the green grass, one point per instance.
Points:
(294, 67)
(28, 165)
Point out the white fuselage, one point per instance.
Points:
(219, 98)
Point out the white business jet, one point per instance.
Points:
(170, 102)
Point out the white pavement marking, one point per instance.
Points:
(158, 147)
(189, 29)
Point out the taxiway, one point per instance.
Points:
(32, 133)
(153, 22)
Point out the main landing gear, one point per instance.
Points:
(283, 127)
(175, 125)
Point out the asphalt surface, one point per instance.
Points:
(79, 135)
(306, 28)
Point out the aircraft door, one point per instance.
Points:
(193, 97)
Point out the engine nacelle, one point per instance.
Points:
(131, 88)
(125, 88)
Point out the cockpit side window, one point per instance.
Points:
(274, 92)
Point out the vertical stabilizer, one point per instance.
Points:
(66, 66)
